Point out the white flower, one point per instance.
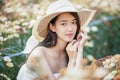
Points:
(87, 29)
(5, 76)
(16, 35)
(94, 3)
(41, 11)
(1, 39)
(104, 18)
(90, 57)
(10, 36)
(31, 23)
(106, 66)
(25, 23)
(9, 64)
(100, 72)
(114, 60)
(78, 6)
(16, 22)
(112, 65)
(104, 63)
(94, 28)
(104, 4)
(7, 58)
(89, 44)
(9, 10)
(23, 14)
(3, 19)
(109, 77)
(114, 72)
(10, 30)
(16, 27)
(107, 61)
(4, 39)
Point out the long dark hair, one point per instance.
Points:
(51, 38)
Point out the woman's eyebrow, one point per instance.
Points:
(67, 20)
(63, 21)
(74, 20)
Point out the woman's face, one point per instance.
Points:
(65, 27)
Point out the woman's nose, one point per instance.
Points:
(70, 28)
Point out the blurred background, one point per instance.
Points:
(18, 16)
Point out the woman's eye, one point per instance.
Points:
(74, 22)
(63, 24)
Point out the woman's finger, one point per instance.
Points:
(75, 45)
(81, 34)
(71, 43)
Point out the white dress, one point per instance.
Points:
(26, 74)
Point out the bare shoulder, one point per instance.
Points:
(35, 56)
(38, 51)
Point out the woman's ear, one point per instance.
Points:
(52, 27)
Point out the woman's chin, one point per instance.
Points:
(69, 40)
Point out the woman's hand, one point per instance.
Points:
(82, 38)
(72, 49)
(72, 52)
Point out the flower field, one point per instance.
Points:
(102, 50)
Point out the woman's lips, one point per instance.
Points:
(69, 35)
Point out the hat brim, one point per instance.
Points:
(40, 28)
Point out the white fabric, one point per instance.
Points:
(26, 74)
(30, 44)
(57, 75)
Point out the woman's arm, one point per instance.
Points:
(79, 58)
(82, 38)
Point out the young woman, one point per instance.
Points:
(62, 44)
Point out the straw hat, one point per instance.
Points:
(40, 28)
